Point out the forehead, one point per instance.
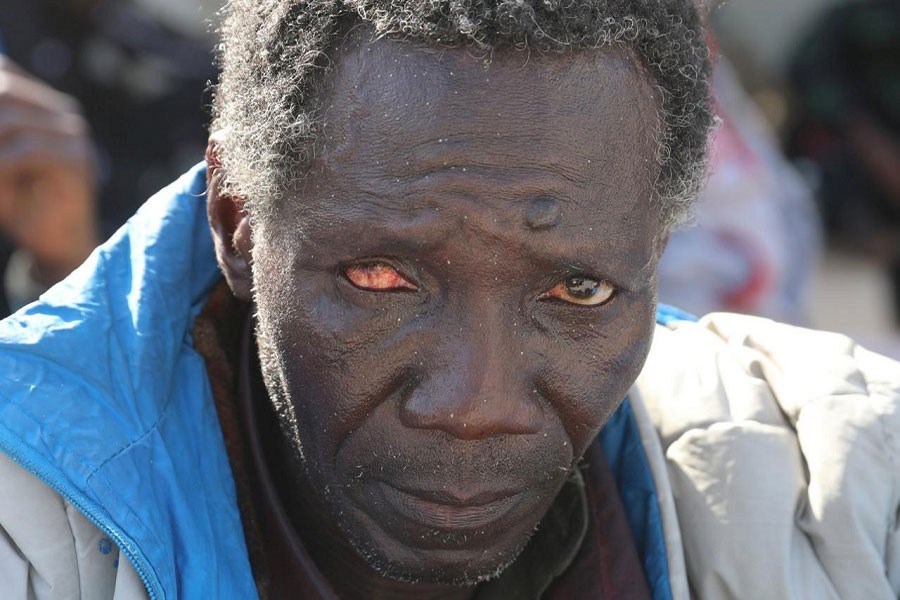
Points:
(382, 87)
(409, 128)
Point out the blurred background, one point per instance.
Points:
(103, 102)
(825, 76)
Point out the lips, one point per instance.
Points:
(449, 512)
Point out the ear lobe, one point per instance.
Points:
(231, 231)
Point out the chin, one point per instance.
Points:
(461, 568)
(399, 548)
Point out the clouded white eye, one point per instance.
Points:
(378, 277)
(581, 290)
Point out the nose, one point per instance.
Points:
(474, 391)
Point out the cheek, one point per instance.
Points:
(588, 381)
(336, 361)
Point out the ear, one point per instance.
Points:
(230, 226)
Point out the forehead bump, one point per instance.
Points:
(543, 213)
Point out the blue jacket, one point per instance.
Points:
(103, 397)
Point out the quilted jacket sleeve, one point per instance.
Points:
(783, 451)
(50, 551)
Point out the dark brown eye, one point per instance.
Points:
(378, 277)
(581, 290)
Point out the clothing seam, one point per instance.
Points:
(164, 413)
(149, 532)
(91, 473)
(91, 385)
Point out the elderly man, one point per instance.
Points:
(438, 225)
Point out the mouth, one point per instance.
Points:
(449, 512)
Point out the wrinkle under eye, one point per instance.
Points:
(378, 277)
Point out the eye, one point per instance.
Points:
(579, 290)
(378, 277)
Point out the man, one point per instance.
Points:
(438, 226)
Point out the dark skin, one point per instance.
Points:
(451, 304)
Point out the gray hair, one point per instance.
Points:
(274, 55)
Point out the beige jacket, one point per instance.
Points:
(781, 449)
(775, 451)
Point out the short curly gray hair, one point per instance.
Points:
(274, 55)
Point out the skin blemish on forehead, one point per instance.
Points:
(543, 213)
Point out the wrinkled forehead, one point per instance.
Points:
(409, 130)
(408, 91)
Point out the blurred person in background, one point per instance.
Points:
(756, 239)
(47, 186)
(101, 103)
(846, 75)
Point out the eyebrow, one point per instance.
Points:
(420, 236)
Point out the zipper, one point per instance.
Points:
(88, 508)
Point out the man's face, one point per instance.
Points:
(460, 293)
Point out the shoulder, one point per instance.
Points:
(730, 367)
(50, 550)
(783, 447)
